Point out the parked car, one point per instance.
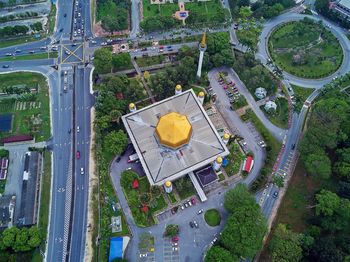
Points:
(191, 224)
(193, 201)
(175, 239)
(275, 194)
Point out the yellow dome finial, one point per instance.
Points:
(201, 94)
(178, 87)
(131, 105)
(219, 159)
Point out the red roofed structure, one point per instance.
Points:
(248, 164)
(17, 138)
(135, 183)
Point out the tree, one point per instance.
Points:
(21, 242)
(327, 203)
(37, 27)
(245, 12)
(238, 197)
(342, 166)
(318, 163)
(285, 245)
(146, 75)
(278, 181)
(34, 237)
(171, 230)
(9, 236)
(121, 61)
(219, 254)
(115, 142)
(322, 6)
(103, 60)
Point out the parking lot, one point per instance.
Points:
(170, 250)
(176, 209)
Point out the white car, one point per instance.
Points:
(82, 171)
(78, 129)
(143, 255)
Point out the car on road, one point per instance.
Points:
(195, 223)
(8, 54)
(200, 211)
(293, 146)
(61, 30)
(5, 66)
(31, 52)
(103, 44)
(118, 159)
(78, 129)
(143, 255)
(65, 15)
(175, 249)
(82, 171)
(77, 154)
(175, 239)
(93, 42)
(18, 51)
(67, 52)
(275, 194)
(191, 224)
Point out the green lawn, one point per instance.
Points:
(29, 57)
(240, 102)
(305, 49)
(202, 12)
(172, 198)
(235, 158)
(23, 119)
(221, 177)
(301, 94)
(52, 19)
(45, 197)
(280, 117)
(150, 60)
(17, 41)
(212, 217)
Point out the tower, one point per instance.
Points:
(217, 163)
(226, 138)
(132, 107)
(168, 187)
(178, 89)
(201, 97)
(202, 47)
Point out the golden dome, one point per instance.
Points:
(178, 87)
(201, 94)
(168, 184)
(226, 136)
(174, 130)
(219, 159)
(131, 105)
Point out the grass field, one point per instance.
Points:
(280, 117)
(150, 60)
(241, 102)
(209, 8)
(22, 120)
(29, 57)
(305, 49)
(301, 94)
(17, 41)
(212, 217)
(52, 19)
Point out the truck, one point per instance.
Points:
(133, 158)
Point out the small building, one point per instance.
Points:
(342, 7)
(248, 164)
(7, 211)
(260, 92)
(270, 105)
(206, 175)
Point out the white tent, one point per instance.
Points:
(260, 92)
(270, 105)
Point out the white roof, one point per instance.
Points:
(345, 3)
(161, 163)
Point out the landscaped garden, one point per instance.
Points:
(184, 187)
(280, 116)
(114, 15)
(28, 101)
(306, 49)
(212, 217)
(235, 158)
(143, 199)
(159, 16)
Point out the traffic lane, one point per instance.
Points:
(64, 20)
(156, 50)
(87, 15)
(25, 47)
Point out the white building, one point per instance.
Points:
(260, 92)
(270, 105)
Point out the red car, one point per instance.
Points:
(225, 87)
(77, 154)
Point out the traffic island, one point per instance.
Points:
(212, 217)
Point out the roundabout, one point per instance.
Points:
(305, 49)
(263, 53)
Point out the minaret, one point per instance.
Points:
(217, 163)
(201, 97)
(178, 89)
(132, 107)
(202, 47)
(168, 187)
